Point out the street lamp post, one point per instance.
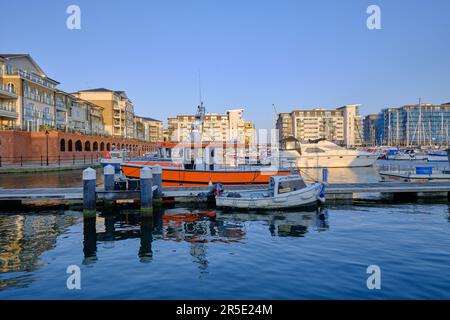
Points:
(46, 140)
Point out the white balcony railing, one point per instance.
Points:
(8, 111)
(31, 77)
(6, 88)
(61, 105)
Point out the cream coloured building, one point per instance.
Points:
(26, 94)
(118, 110)
(342, 126)
(148, 129)
(216, 127)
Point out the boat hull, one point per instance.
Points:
(307, 197)
(438, 158)
(172, 176)
(344, 161)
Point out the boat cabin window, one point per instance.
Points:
(271, 184)
(289, 186)
(314, 150)
(116, 154)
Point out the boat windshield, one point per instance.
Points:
(116, 154)
(313, 150)
(290, 186)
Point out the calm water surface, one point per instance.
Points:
(73, 178)
(186, 254)
(198, 254)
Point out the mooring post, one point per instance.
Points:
(157, 181)
(108, 173)
(108, 178)
(89, 196)
(325, 175)
(146, 183)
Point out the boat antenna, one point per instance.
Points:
(274, 115)
(200, 87)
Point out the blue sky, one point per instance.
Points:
(250, 53)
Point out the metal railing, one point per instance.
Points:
(410, 168)
(46, 161)
(31, 77)
(10, 108)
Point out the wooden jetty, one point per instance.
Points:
(334, 191)
(150, 191)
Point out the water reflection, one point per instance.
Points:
(23, 238)
(287, 224)
(63, 179)
(198, 228)
(145, 249)
(89, 241)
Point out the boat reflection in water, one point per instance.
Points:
(197, 227)
(287, 223)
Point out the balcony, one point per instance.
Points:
(32, 77)
(7, 111)
(60, 119)
(7, 92)
(61, 106)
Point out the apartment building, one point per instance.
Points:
(148, 129)
(370, 128)
(250, 133)
(118, 110)
(63, 102)
(31, 101)
(285, 126)
(414, 125)
(228, 127)
(27, 94)
(342, 125)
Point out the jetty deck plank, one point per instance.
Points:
(334, 188)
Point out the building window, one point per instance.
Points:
(78, 146)
(87, 146)
(95, 146)
(11, 87)
(69, 146)
(102, 146)
(62, 146)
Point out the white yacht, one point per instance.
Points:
(323, 154)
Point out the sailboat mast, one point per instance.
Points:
(419, 124)
(407, 127)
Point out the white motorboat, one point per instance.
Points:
(284, 192)
(408, 154)
(438, 156)
(324, 154)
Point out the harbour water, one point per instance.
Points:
(199, 253)
(293, 255)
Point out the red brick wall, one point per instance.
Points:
(31, 146)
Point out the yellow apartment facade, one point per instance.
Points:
(27, 94)
(118, 110)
